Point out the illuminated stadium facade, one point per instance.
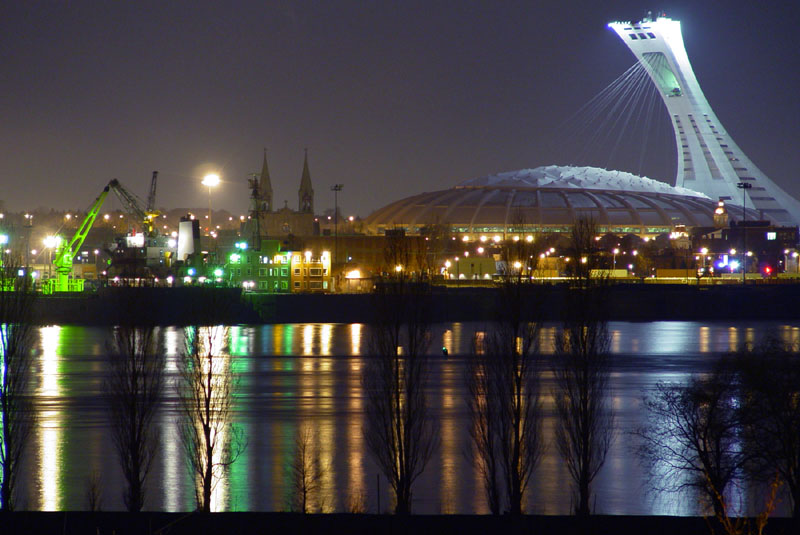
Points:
(550, 199)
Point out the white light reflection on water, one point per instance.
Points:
(449, 447)
(308, 340)
(174, 468)
(50, 433)
(355, 339)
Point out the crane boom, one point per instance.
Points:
(151, 199)
(133, 205)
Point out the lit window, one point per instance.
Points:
(772, 235)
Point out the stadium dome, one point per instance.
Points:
(550, 199)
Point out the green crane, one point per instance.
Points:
(66, 251)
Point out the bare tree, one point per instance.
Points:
(692, 438)
(94, 492)
(210, 439)
(502, 378)
(585, 423)
(400, 432)
(582, 251)
(305, 475)
(436, 242)
(484, 409)
(770, 381)
(133, 392)
(17, 301)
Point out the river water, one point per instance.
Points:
(298, 376)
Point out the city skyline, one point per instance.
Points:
(390, 100)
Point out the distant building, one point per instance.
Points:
(311, 273)
(769, 248)
(548, 200)
(266, 221)
(266, 269)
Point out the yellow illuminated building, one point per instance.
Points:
(311, 273)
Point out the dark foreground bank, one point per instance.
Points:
(202, 306)
(286, 523)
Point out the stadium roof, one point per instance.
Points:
(550, 199)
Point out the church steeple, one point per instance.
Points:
(306, 192)
(265, 186)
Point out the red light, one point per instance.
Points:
(768, 270)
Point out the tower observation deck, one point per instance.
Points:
(709, 161)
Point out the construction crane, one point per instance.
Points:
(66, 251)
(151, 212)
(133, 205)
(151, 199)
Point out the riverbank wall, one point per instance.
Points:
(625, 302)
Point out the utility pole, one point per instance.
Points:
(336, 188)
(744, 186)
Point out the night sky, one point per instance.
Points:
(390, 98)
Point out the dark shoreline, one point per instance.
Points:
(121, 523)
(626, 302)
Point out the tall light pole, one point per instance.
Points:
(336, 188)
(744, 186)
(211, 180)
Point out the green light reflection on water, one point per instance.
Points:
(241, 366)
(288, 335)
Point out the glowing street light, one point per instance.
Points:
(336, 188)
(211, 180)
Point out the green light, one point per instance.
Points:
(192, 271)
(218, 272)
(235, 258)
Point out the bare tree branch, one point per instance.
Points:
(692, 440)
(585, 423)
(133, 392)
(400, 432)
(16, 337)
(502, 378)
(211, 441)
(305, 475)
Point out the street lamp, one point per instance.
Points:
(615, 251)
(211, 180)
(336, 188)
(744, 186)
(51, 242)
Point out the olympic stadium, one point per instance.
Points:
(549, 199)
(713, 173)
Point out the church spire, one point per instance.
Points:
(265, 186)
(306, 192)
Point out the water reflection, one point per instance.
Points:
(449, 450)
(355, 339)
(50, 433)
(307, 375)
